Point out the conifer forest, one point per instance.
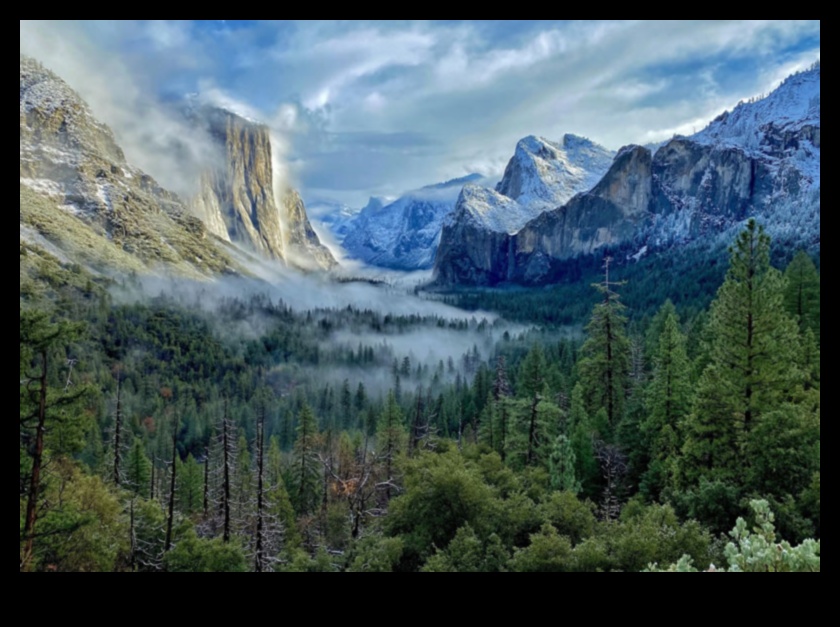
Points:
(167, 436)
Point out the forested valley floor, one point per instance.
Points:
(157, 435)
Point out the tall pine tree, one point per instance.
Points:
(752, 363)
(605, 367)
(669, 399)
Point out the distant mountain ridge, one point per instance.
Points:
(404, 234)
(542, 175)
(760, 160)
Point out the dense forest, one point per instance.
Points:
(207, 434)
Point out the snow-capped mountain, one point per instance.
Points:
(760, 160)
(544, 175)
(335, 217)
(404, 234)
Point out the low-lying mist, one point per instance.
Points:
(362, 332)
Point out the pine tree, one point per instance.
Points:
(138, 470)
(802, 295)
(50, 423)
(583, 435)
(562, 466)
(605, 366)
(306, 468)
(390, 439)
(752, 363)
(669, 399)
(190, 486)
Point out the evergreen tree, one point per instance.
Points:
(605, 366)
(802, 295)
(190, 486)
(306, 468)
(562, 466)
(51, 424)
(390, 439)
(138, 470)
(752, 363)
(669, 401)
(583, 434)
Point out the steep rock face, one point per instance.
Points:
(302, 245)
(404, 234)
(238, 201)
(545, 175)
(761, 160)
(80, 196)
(475, 242)
(608, 215)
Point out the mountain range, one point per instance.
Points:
(81, 201)
(760, 160)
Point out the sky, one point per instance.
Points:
(375, 108)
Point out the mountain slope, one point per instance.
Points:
(81, 197)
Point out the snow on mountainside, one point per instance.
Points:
(764, 127)
(761, 160)
(336, 217)
(490, 210)
(80, 196)
(403, 235)
(795, 104)
(544, 175)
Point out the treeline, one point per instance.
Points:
(153, 441)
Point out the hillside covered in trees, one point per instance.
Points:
(157, 435)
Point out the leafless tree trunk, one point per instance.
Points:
(118, 426)
(37, 462)
(171, 520)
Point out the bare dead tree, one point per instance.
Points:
(118, 427)
(173, 481)
(614, 467)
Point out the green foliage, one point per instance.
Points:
(442, 495)
(138, 470)
(376, 554)
(468, 554)
(562, 465)
(190, 487)
(306, 471)
(752, 357)
(196, 555)
(548, 552)
(605, 364)
(669, 399)
(759, 551)
(802, 294)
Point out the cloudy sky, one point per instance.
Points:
(379, 107)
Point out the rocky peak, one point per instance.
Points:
(237, 197)
(53, 114)
(238, 200)
(628, 183)
(545, 175)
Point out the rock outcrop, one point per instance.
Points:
(238, 200)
